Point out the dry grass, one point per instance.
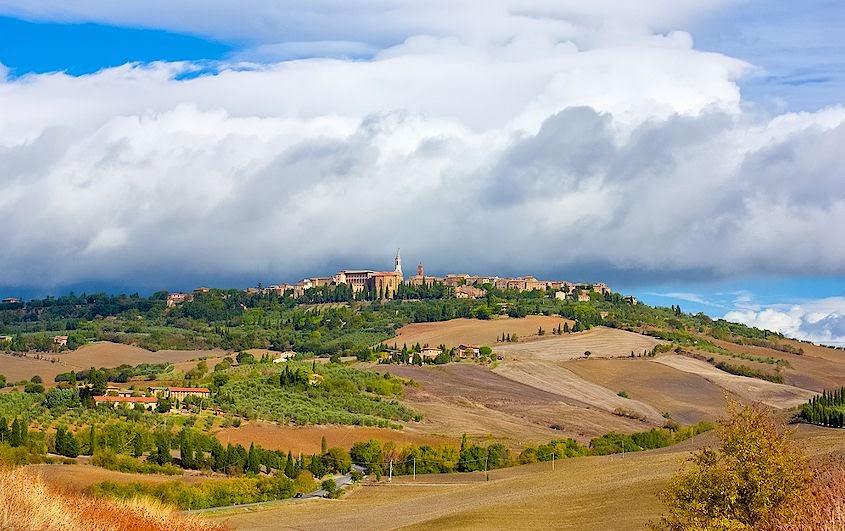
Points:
(27, 502)
(608, 493)
(824, 508)
(563, 382)
(600, 341)
(78, 477)
(479, 332)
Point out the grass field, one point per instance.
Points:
(307, 439)
(100, 354)
(473, 331)
(608, 493)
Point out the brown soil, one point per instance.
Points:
(468, 398)
(474, 331)
(689, 398)
(817, 369)
(751, 389)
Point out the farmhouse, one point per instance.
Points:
(178, 298)
(469, 292)
(284, 356)
(429, 353)
(60, 341)
(5, 339)
(179, 393)
(117, 391)
(468, 351)
(149, 402)
(11, 300)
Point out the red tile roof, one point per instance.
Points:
(188, 389)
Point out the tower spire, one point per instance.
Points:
(398, 263)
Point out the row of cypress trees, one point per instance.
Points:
(827, 409)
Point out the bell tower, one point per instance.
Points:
(420, 271)
(398, 262)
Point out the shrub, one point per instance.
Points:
(121, 463)
(756, 479)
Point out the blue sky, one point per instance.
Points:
(38, 47)
(689, 154)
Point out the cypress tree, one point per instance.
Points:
(15, 434)
(137, 446)
(92, 441)
(60, 440)
(4, 430)
(253, 464)
(23, 432)
(72, 446)
(290, 469)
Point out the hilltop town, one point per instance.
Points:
(368, 284)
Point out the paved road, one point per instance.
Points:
(340, 481)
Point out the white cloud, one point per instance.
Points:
(514, 151)
(820, 321)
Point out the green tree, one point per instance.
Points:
(253, 462)
(369, 455)
(337, 460)
(138, 445)
(290, 466)
(15, 438)
(162, 453)
(331, 489)
(98, 381)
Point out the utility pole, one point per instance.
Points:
(415, 468)
(390, 477)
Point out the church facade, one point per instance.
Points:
(382, 284)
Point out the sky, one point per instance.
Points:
(687, 152)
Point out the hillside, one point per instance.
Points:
(610, 493)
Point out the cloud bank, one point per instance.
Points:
(542, 138)
(820, 321)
